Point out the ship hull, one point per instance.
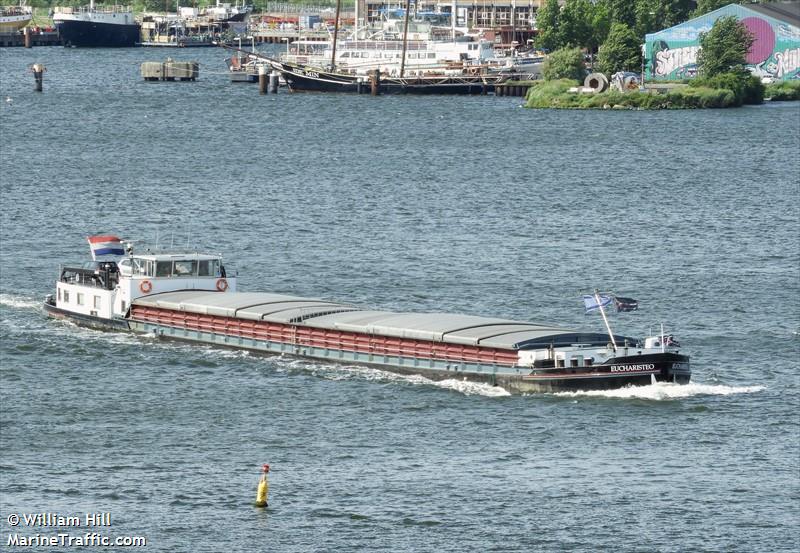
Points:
(633, 371)
(88, 321)
(300, 78)
(90, 34)
(13, 23)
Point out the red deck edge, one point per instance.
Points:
(305, 336)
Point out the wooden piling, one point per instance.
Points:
(375, 82)
(26, 32)
(262, 79)
(273, 82)
(38, 75)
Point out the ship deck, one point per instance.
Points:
(465, 330)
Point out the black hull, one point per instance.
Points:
(87, 34)
(88, 321)
(301, 78)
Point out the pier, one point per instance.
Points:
(513, 88)
(34, 37)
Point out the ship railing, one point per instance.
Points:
(89, 277)
(8, 11)
(87, 9)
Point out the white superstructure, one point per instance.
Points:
(105, 289)
(110, 15)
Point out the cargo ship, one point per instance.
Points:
(190, 296)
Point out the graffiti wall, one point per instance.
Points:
(672, 53)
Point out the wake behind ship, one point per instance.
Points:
(190, 296)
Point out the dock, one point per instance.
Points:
(37, 37)
(170, 70)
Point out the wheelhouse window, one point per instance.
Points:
(143, 267)
(163, 268)
(185, 268)
(59, 294)
(80, 298)
(208, 267)
(97, 302)
(66, 296)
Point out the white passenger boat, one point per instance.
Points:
(190, 296)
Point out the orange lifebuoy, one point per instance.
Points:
(222, 285)
(146, 286)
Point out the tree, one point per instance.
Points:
(724, 48)
(600, 24)
(566, 63)
(676, 11)
(621, 51)
(705, 6)
(621, 11)
(575, 23)
(547, 23)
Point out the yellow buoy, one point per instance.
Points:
(262, 493)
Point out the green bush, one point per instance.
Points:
(566, 63)
(783, 91)
(746, 88)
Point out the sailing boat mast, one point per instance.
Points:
(405, 39)
(336, 34)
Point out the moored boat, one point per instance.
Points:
(190, 296)
(14, 18)
(303, 78)
(96, 26)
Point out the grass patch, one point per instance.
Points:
(783, 91)
(555, 94)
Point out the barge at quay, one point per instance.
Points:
(190, 296)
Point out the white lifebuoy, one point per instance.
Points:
(146, 286)
(222, 285)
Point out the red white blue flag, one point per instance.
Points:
(105, 245)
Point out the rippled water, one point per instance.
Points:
(470, 205)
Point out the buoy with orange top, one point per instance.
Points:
(262, 492)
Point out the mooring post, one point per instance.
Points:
(375, 82)
(26, 32)
(273, 82)
(262, 79)
(38, 74)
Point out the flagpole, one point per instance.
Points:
(605, 319)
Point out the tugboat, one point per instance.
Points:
(190, 296)
(102, 26)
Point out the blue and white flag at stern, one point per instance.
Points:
(590, 301)
(105, 245)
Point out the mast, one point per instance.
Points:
(335, 34)
(405, 39)
(605, 319)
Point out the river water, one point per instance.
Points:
(471, 205)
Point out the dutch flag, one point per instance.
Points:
(105, 245)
